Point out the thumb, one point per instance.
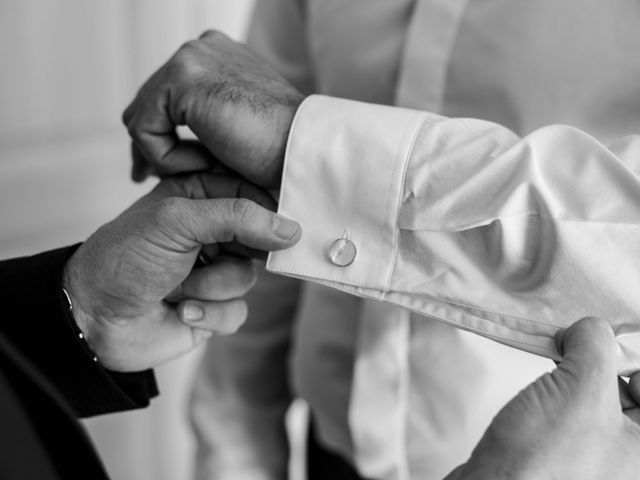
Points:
(204, 222)
(589, 356)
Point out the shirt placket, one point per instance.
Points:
(379, 397)
(427, 53)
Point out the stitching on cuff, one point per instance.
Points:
(420, 125)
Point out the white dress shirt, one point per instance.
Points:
(503, 199)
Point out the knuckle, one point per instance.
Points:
(134, 134)
(187, 46)
(173, 218)
(185, 64)
(126, 116)
(183, 69)
(243, 210)
(211, 34)
(171, 207)
(134, 131)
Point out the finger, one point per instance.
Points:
(230, 249)
(222, 318)
(127, 114)
(140, 168)
(150, 125)
(207, 255)
(203, 222)
(212, 164)
(590, 355)
(155, 340)
(224, 279)
(234, 186)
(143, 93)
(235, 249)
(203, 185)
(184, 156)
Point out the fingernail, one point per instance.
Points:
(284, 228)
(192, 312)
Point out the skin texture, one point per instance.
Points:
(134, 290)
(237, 105)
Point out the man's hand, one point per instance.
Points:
(569, 424)
(135, 294)
(236, 104)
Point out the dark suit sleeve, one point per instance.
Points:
(34, 318)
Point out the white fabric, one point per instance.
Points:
(402, 395)
(461, 220)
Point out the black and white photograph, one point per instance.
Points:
(319, 240)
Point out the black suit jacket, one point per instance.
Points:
(48, 377)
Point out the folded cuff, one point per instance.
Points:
(338, 183)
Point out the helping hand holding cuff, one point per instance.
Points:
(135, 295)
(569, 423)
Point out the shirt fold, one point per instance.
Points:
(464, 221)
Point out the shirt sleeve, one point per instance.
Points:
(463, 221)
(36, 322)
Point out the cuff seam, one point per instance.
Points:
(405, 166)
(287, 149)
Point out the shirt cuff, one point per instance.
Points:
(343, 178)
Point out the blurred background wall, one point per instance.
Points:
(68, 69)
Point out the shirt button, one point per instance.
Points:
(342, 252)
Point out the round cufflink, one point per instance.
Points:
(342, 252)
